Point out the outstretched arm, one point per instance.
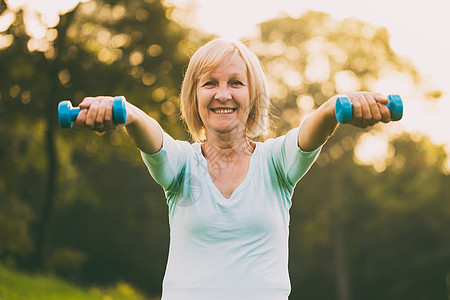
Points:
(96, 114)
(368, 109)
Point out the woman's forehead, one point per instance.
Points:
(232, 64)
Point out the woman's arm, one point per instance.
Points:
(144, 131)
(368, 109)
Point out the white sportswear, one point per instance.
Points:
(234, 248)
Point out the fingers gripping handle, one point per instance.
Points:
(67, 114)
(344, 108)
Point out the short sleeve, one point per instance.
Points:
(166, 165)
(291, 162)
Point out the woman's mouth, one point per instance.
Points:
(223, 110)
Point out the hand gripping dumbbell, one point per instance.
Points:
(67, 114)
(344, 108)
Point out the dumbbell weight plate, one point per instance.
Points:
(64, 116)
(119, 111)
(395, 106)
(343, 109)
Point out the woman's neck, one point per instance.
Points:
(227, 148)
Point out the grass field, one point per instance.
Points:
(19, 286)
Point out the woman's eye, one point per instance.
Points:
(208, 83)
(237, 82)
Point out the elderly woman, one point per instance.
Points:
(228, 196)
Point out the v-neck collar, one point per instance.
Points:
(242, 185)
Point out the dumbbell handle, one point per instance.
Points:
(344, 108)
(67, 114)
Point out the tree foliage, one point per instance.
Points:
(84, 206)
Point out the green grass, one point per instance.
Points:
(15, 285)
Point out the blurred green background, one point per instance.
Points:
(81, 206)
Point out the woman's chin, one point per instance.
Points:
(224, 129)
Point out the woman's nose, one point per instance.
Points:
(223, 93)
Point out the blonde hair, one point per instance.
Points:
(204, 61)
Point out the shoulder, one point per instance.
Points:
(288, 138)
(173, 151)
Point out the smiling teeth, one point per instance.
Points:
(223, 111)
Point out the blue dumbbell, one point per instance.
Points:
(344, 108)
(67, 114)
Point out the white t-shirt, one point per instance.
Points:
(234, 248)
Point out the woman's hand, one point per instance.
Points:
(96, 114)
(368, 109)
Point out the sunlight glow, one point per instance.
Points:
(346, 81)
(6, 40)
(374, 150)
(318, 68)
(6, 19)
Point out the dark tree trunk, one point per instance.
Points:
(342, 277)
(50, 189)
(51, 99)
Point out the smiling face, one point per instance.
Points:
(223, 97)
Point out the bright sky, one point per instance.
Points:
(419, 29)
